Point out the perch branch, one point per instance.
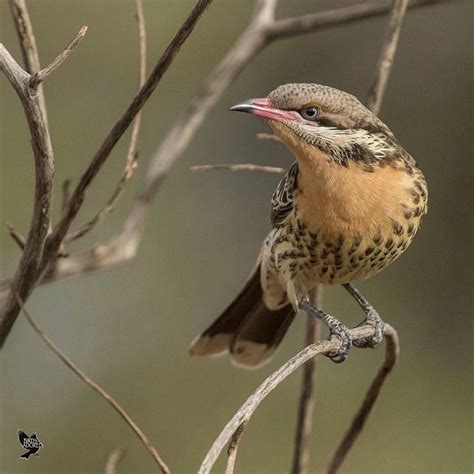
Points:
(392, 350)
(304, 422)
(38, 77)
(232, 449)
(113, 460)
(251, 404)
(96, 387)
(239, 167)
(132, 155)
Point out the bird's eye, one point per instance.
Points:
(310, 113)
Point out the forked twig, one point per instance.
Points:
(38, 77)
(96, 387)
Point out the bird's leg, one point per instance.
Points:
(336, 329)
(372, 318)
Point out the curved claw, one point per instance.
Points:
(345, 336)
(372, 342)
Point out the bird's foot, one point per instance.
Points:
(337, 330)
(373, 319)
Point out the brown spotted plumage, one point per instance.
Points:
(348, 207)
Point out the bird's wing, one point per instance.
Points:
(21, 436)
(282, 199)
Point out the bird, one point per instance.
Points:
(348, 206)
(31, 443)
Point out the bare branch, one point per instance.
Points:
(77, 196)
(289, 27)
(97, 388)
(239, 167)
(26, 273)
(251, 404)
(113, 460)
(384, 66)
(232, 449)
(132, 155)
(392, 351)
(42, 74)
(304, 422)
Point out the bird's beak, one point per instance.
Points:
(263, 108)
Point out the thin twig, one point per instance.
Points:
(392, 350)
(41, 75)
(239, 167)
(96, 387)
(251, 404)
(66, 188)
(113, 460)
(132, 155)
(389, 48)
(232, 449)
(268, 136)
(16, 236)
(304, 422)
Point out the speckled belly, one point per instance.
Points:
(312, 257)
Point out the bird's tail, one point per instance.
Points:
(28, 454)
(247, 328)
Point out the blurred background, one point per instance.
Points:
(130, 328)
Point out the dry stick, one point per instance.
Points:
(374, 101)
(232, 449)
(122, 248)
(42, 74)
(251, 404)
(16, 236)
(113, 460)
(239, 167)
(132, 155)
(304, 423)
(97, 388)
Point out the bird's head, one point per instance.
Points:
(312, 116)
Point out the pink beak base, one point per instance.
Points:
(262, 108)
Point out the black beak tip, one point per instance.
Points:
(242, 107)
